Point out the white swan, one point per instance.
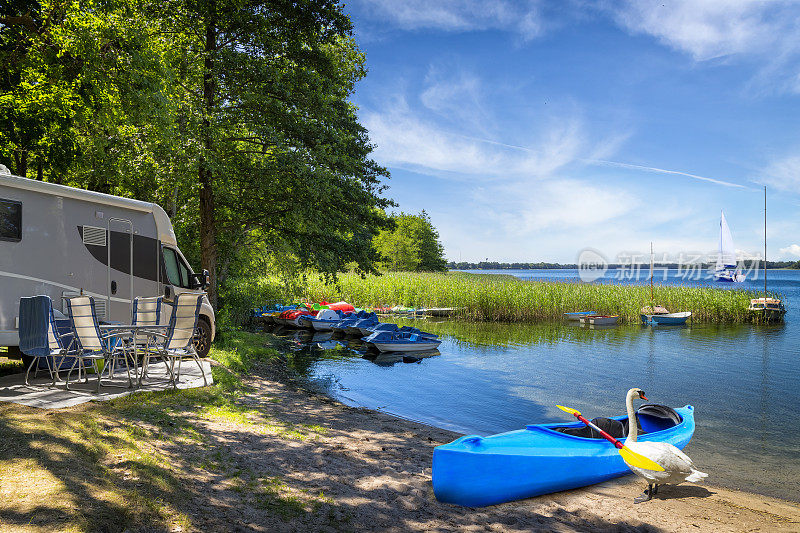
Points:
(677, 465)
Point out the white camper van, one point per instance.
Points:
(61, 241)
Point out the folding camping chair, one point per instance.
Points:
(178, 341)
(93, 345)
(39, 337)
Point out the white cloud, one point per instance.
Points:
(712, 28)
(767, 32)
(457, 96)
(783, 174)
(407, 140)
(521, 18)
(793, 249)
(537, 206)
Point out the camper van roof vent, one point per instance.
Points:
(94, 236)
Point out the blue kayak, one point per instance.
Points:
(477, 471)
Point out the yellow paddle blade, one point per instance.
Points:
(638, 460)
(569, 410)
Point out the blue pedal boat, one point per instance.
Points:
(393, 341)
(477, 471)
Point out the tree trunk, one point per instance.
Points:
(208, 230)
(21, 159)
(39, 169)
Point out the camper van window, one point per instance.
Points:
(10, 220)
(177, 271)
(171, 265)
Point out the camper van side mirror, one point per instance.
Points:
(206, 279)
(199, 280)
(168, 292)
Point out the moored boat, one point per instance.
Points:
(576, 316)
(599, 320)
(671, 319)
(326, 319)
(389, 341)
(769, 309)
(647, 313)
(726, 269)
(393, 328)
(543, 458)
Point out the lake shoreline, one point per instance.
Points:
(386, 461)
(259, 452)
(502, 297)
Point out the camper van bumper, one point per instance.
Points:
(208, 312)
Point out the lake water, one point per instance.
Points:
(744, 381)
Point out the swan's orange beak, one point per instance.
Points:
(642, 396)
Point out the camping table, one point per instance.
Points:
(135, 330)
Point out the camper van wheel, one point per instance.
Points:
(202, 337)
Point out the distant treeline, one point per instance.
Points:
(494, 265)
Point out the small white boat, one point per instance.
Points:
(599, 320)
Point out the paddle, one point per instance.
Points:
(630, 457)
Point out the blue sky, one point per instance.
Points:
(531, 130)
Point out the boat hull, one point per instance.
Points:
(406, 346)
(599, 320)
(478, 471)
(672, 319)
(577, 315)
(323, 325)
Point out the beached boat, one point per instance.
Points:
(726, 269)
(671, 319)
(543, 458)
(770, 309)
(576, 316)
(393, 341)
(599, 320)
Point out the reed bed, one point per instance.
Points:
(504, 298)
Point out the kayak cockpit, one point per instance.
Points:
(651, 418)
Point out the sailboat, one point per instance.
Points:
(726, 269)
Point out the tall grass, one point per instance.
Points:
(509, 299)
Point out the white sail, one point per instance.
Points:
(727, 253)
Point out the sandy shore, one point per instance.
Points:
(284, 459)
(376, 469)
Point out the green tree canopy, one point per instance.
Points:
(234, 116)
(413, 245)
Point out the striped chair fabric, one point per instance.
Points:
(83, 315)
(93, 345)
(179, 338)
(183, 321)
(146, 311)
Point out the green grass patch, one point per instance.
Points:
(101, 466)
(504, 298)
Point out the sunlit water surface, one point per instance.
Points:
(744, 381)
